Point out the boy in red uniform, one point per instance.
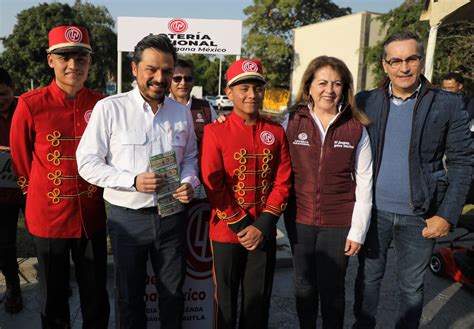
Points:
(246, 172)
(64, 213)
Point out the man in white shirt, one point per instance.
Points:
(124, 131)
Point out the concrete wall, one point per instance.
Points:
(342, 37)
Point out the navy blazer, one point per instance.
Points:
(439, 127)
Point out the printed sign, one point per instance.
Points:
(198, 288)
(189, 36)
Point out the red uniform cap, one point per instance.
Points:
(244, 69)
(66, 39)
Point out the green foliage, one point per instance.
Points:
(404, 18)
(454, 45)
(455, 52)
(269, 38)
(25, 49)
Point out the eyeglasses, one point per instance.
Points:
(412, 61)
(179, 78)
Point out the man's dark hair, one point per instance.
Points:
(401, 36)
(5, 78)
(159, 42)
(185, 65)
(454, 76)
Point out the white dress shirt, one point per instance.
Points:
(363, 176)
(122, 134)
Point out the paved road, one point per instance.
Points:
(447, 304)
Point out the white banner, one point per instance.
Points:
(189, 36)
(198, 288)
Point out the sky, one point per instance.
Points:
(212, 9)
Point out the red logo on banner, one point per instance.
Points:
(73, 34)
(178, 25)
(199, 257)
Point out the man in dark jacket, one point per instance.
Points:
(11, 200)
(416, 200)
(454, 82)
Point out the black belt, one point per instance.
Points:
(148, 210)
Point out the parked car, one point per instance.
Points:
(224, 103)
(212, 101)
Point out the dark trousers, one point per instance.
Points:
(135, 236)
(253, 271)
(8, 231)
(320, 269)
(90, 263)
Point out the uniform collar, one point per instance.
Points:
(240, 121)
(58, 91)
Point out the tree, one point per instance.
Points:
(25, 49)
(455, 52)
(269, 37)
(454, 47)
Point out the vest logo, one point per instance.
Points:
(177, 25)
(342, 144)
(87, 116)
(267, 137)
(302, 139)
(303, 136)
(199, 117)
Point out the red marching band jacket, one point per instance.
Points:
(45, 132)
(246, 171)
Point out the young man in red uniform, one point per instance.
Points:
(64, 213)
(10, 202)
(246, 171)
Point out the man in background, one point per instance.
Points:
(10, 201)
(454, 82)
(182, 84)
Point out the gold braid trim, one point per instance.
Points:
(56, 196)
(55, 157)
(242, 156)
(22, 182)
(57, 177)
(240, 188)
(242, 171)
(241, 202)
(55, 138)
(223, 216)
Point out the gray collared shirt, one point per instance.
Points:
(398, 100)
